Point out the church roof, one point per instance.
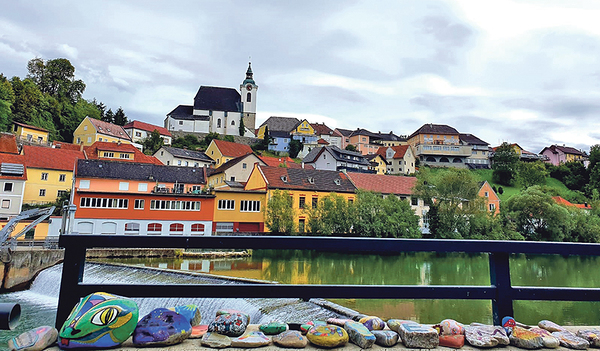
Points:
(217, 99)
(281, 124)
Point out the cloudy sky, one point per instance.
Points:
(519, 71)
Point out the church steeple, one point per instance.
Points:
(249, 75)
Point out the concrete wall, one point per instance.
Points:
(25, 265)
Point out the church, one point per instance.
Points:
(219, 110)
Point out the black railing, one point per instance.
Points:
(500, 292)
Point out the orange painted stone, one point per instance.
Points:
(198, 331)
(455, 341)
(525, 339)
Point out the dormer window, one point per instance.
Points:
(284, 179)
(337, 181)
(311, 180)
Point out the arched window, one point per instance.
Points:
(132, 228)
(154, 227)
(430, 159)
(219, 123)
(444, 159)
(248, 97)
(232, 123)
(109, 228)
(457, 160)
(197, 229)
(85, 227)
(176, 228)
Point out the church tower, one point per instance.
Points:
(248, 90)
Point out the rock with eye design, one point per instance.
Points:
(100, 321)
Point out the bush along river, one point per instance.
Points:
(421, 268)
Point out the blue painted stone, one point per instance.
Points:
(230, 324)
(373, 323)
(359, 334)
(161, 327)
(385, 338)
(191, 312)
(100, 321)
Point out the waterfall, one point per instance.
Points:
(45, 290)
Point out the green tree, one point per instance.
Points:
(332, 215)
(152, 143)
(229, 138)
(188, 141)
(350, 147)
(27, 99)
(536, 215)
(387, 217)
(208, 138)
(7, 99)
(504, 164)
(242, 128)
(109, 116)
(594, 170)
(295, 146)
(120, 118)
(531, 173)
(56, 78)
(279, 213)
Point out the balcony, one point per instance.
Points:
(180, 190)
(444, 149)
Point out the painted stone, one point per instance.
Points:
(338, 321)
(508, 323)
(570, 340)
(327, 336)
(34, 340)
(373, 323)
(481, 335)
(251, 339)
(525, 339)
(450, 327)
(386, 338)
(231, 324)
(394, 324)
(550, 342)
(161, 327)
(198, 331)
(215, 340)
(550, 326)
(304, 328)
(228, 311)
(273, 328)
(291, 338)
(191, 312)
(418, 336)
(591, 335)
(455, 341)
(101, 320)
(359, 334)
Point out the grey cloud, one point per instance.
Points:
(452, 34)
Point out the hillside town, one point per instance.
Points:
(118, 188)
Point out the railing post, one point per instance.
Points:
(72, 275)
(502, 303)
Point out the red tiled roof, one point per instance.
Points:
(50, 158)
(66, 146)
(230, 149)
(321, 129)
(381, 183)
(16, 159)
(31, 127)
(399, 149)
(109, 129)
(561, 201)
(8, 143)
(91, 152)
(147, 127)
(279, 161)
(322, 142)
(299, 179)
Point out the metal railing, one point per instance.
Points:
(500, 291)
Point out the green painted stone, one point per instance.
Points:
(304, 328)
(273, 328)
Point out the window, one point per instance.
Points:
(40, 139)
(487, 194)
(97, 202)
(8, 187)
(78, 140)
(109, 154)
(248, 97)
(176, 228)
(301, 225)
(301, 202)
(126, 156)
(180, 123)
(350, 201)
(5, 203)
(100, 139)
(492, 207)
(414, 201)
(179, 162)
(154, 227)
(61, 193)
(138, 134)
(219, 123)
(315, 202)
(123, 186)
(132, 228)
(176, 205)
(232, 178)
(42, 192)
(244, 166)
(226, 205)
(197, 228)
(249, 206)
(44, 176)
(89, 139)
(138, 204)
(143, 187)
(84, 184)
(62, 177)
(84, 127)
(233, 123)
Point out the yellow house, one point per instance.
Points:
(237, 210)
(30, 133)
(222, 151)
(91, 130)
(49, 172)
(39, 232)
(236, 170)
(378, 163)
(306, 186)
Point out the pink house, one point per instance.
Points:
(560, 154)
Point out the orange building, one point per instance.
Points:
(492, 201)
(140, 199)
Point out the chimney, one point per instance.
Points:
(302, 165)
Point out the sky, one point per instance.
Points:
(523, 72)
